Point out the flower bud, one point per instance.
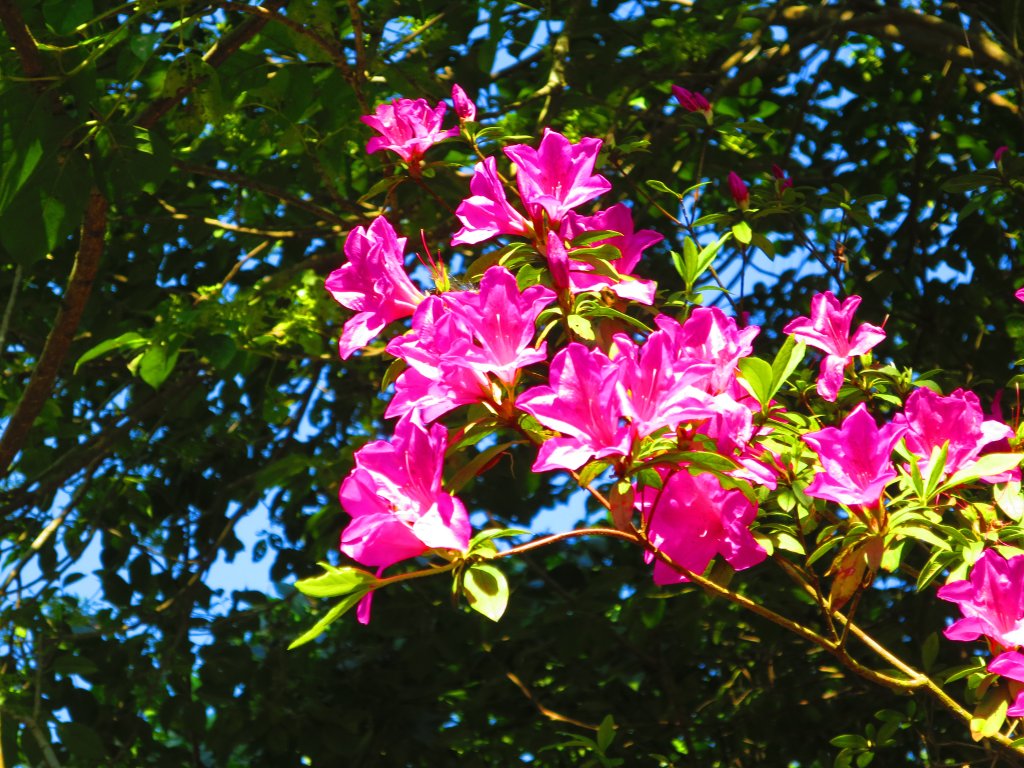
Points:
(997, 156)
(464, 106)
(738, 190)
(783, 182)
(693, 102)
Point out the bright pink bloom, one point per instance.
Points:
(855, 459)
(692, 102)
(557, 176)
(408, 128)
(712, 337)
(932, 420)
(631, 244)
(398, 507)
(502, 323)
(658, 385)
(693, 518)
(1019, 294)
(437, 379)
(373, 283)
(991, 601)
(585, 403)
(487, 213)
(464, 106)
(738, 190)
(828, 329)
(1011, 665)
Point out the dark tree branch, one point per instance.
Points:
(216, 56)
(87, 260)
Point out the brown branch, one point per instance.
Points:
(550, 714)
(216, 56)
(24, 45)
(87, 260)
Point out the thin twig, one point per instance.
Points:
(8, 311)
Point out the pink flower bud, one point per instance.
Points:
(739, 191)
(694, 102)
(783, 181)
(1019, 295)
(464, 106)
(997, 156)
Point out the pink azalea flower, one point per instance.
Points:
(398, 507)
(502, 323)
(932, 420)
(630, 244)
(373, 283)
(487, 213)
(658, 385)
(828, 329)
(997, 156)
(464, 106)
(1011, 665)
(1019, 294)
(408, 128)
(712, 337)
(557, 176)
(585, 403)
(692, 102)
(693, 518)
(855, 459)
(437, 379)
(991, 601)
(738, 190)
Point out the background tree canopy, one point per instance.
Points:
(176, 179)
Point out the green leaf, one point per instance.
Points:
(606, 733)
(986, 466)
(129, 340)
(494, 533)
(486, 591)
(156, 364)
(335, 582)
(339, 610)
(849, 741)
(476, 465)
(586, 238)
(742, 232)
(757, 376)
(789, 357)
(661, 187)
(83, 742)
(581, 327)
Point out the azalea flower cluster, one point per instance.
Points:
(667, 410)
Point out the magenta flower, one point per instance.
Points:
(584, 403)
(855, 459)
(658, 384)
(487, 213)
(738, 190)
(932, 420)
(437, 379)
(997, 156)
(373, 283)
(1011, 665)
(1019, 294)
(408, 128)
(630, 244)
(828, 329)
(693, 518)
(692, 102)
(464, 106)
(991, 601)
(398, 507)
(711, 337)
(501, 321)
(557, 176)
